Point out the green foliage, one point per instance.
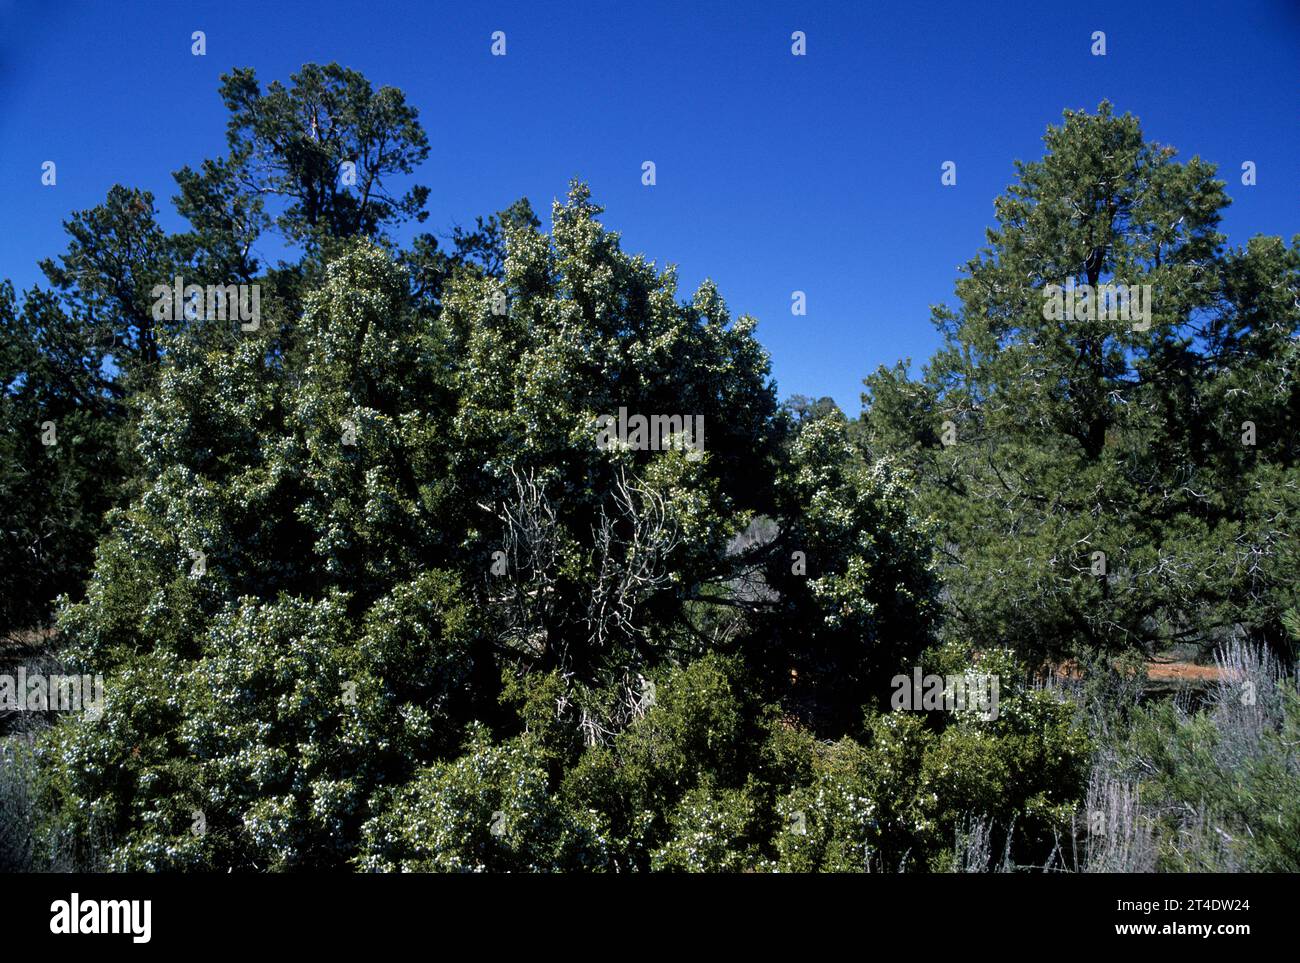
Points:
(694, 738)
(86, 353)
(62, 463)
(1218, 786)
(368, 593)
(865, 606)
(714, 831)
(292, 142)
(299, 610)
(897, 801)
(1038, 443)
(490, 810)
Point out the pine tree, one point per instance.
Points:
(1087, 470)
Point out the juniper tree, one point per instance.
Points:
(346, 558)
(633, 558)
(270, 614)
(87, 345)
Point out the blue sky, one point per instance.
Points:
(775, 173)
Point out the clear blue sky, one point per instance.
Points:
(775, 173)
